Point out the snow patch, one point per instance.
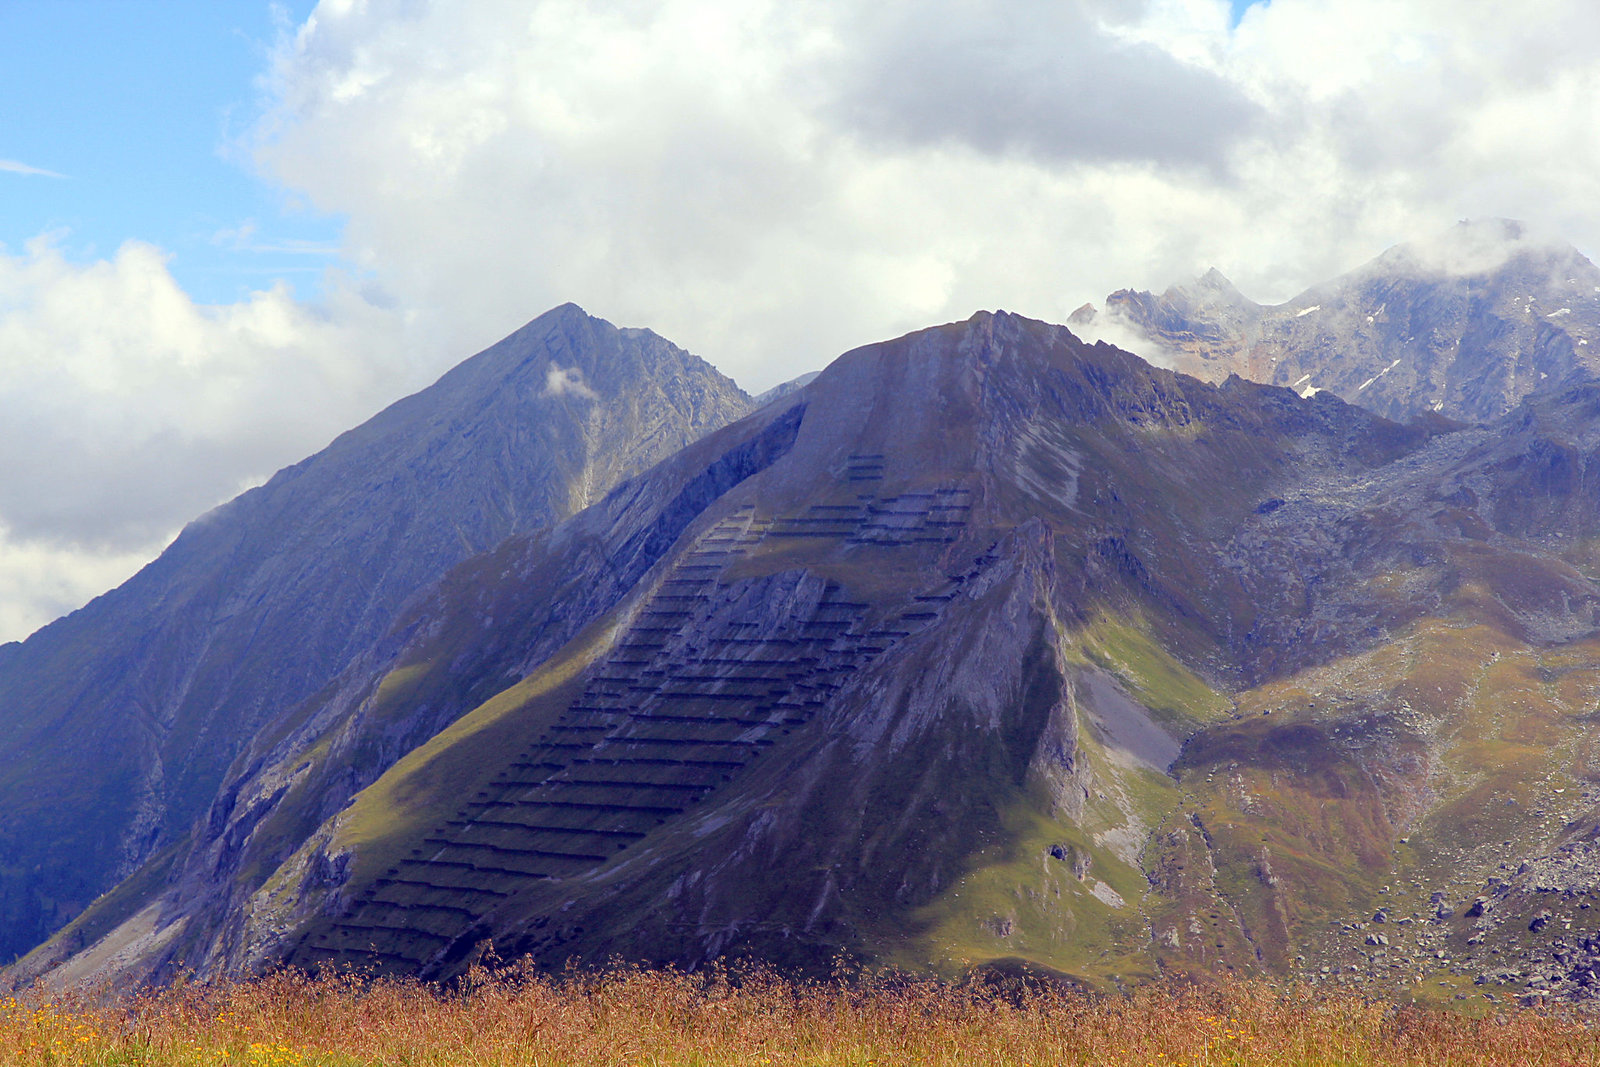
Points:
(559, 381)
(1307, 311)
(1380, 374)
(1304, 378)
(1561, 311)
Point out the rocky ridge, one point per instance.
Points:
(1465, 325)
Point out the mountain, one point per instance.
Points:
(987, 647)
(1465, 325)
(783, 389)
(122, 719)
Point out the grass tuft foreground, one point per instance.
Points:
(756, 1018)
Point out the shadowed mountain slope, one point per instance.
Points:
(121, 719)
(1465, 325)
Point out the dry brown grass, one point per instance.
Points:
(640, 1017)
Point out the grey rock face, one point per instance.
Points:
(121, 719)
(1465, 326)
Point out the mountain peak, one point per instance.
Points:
(566, 310)
(1476, 247)
(1211, 290)
(1465, 323)
(318, 561)
(566, 351)
(565, 316)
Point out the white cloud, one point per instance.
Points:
(127, 409)
(1392, 120)
(559, 381)
(1114, 328)
(11, 166)
(769, 183)
(1047, 81)
(41, 581)
(245, 238)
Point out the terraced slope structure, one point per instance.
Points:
(985, 648)
(1465, 325)
(121, 720)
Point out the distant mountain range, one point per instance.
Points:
(1465, 325)
(986, 647)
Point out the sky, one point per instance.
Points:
(133, 110)
(231, 229)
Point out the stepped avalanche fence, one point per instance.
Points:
(683, 703)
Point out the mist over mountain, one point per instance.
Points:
(1466, 325)
(122, 718)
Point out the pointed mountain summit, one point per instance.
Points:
(121, 718)
(1213, 289)
(1465, 324)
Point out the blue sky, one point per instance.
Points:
(1241, 6)
(138, 106)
